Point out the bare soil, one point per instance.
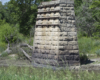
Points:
(93, 64)
(4, 61)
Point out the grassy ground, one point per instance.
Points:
(15, 73)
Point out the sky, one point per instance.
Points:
(3, 1)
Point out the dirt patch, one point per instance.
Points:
(5, 61)
(14, 62)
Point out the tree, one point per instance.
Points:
(84, 19)
(77, 3)
(24, 12)
(95, 6)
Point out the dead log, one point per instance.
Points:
(26, 45)
(8, 47)
(29, 57)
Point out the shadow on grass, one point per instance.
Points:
(85, 60)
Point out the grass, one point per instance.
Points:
(29, 73)
(88, 45)
(2, 46)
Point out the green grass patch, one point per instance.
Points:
(3, 46)
(29, 73)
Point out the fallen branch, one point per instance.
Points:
(8, 47)
(29, 57)
(26, 45)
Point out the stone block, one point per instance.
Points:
(36, 51)
(37, 55)
(73, 51)
(47, 51)
(63, 33)
(71, 18)
(55, 33)
(67, 1)
(55, 52)
(75, 47)
(57, 8)
(68, 39)
(66, 8)
(73, 22)
(54, 43)
(46, 62)
(55, 57)
(73, 63)
(72, 43)
(74, 38)
(68, 47)
(72, 34)
(63, 5)
(61, 48)
(63, 11)
(63, 52)
(76, 57)
(68, 25)
(63, 43)
(48, 47)
(57, 14)
(70, 5)
(73, 29)
(52, 47)
(71, 8)
(41, 56)
(60, 38)
(63, 25)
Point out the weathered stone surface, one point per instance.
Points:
(63, 52)
(55, 41)
(68, 47)
(74, 51)
(75, 47)
(72, 33)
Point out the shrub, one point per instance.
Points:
(2, 46)
(85, 44)
(97, 43)
(7, 32)
(10, 33)
(84, 19)
(98, 52)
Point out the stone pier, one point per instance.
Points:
(55, 40)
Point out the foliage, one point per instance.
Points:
(98, 52)
(2, 46)
(8, 33)
(87, 17)
(84, 19)
(85, 44)
(88, 45)
(95, 7)
(30, 73)
(77, 3)
(24, 13)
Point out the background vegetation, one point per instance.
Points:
(18, 17)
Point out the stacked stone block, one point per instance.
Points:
(55, 42)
